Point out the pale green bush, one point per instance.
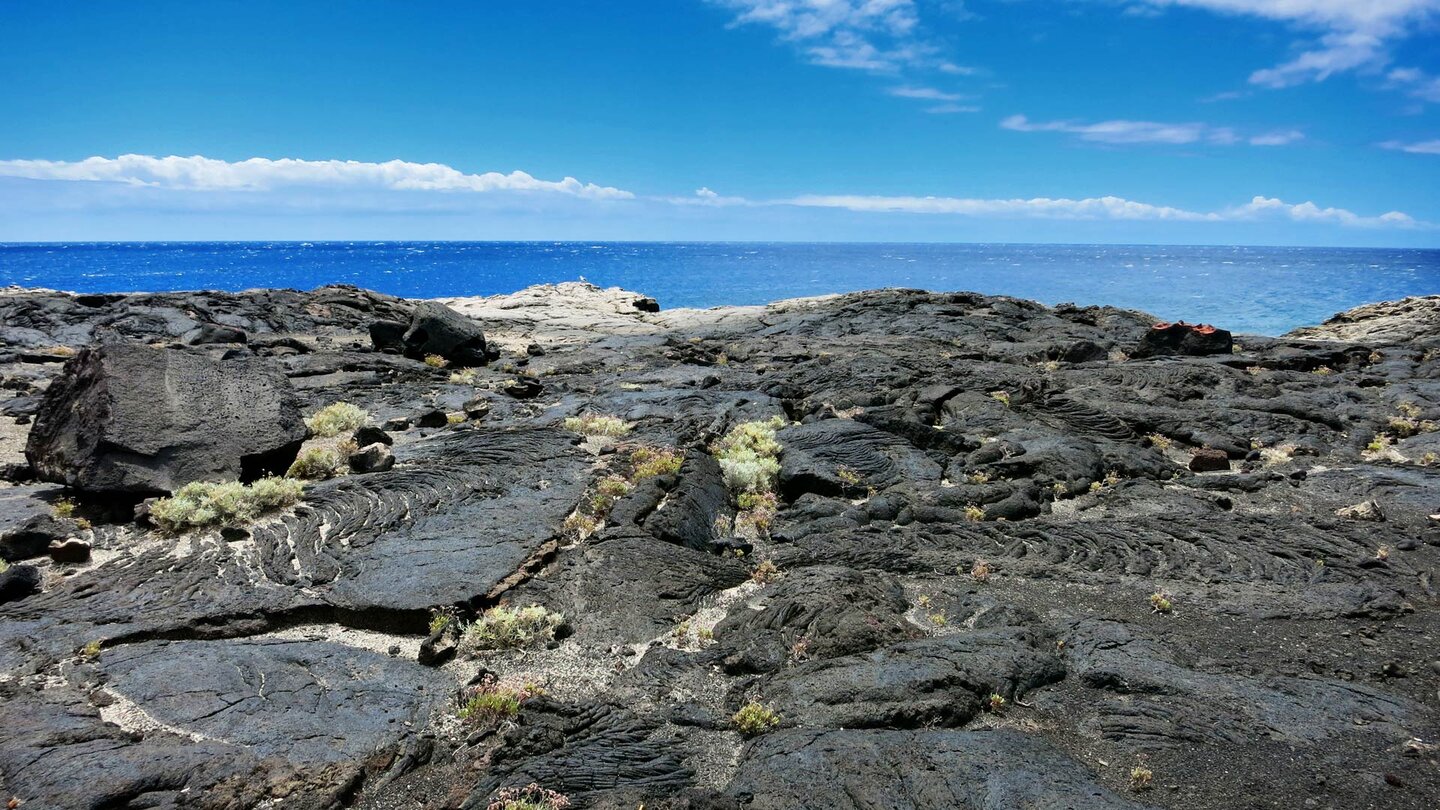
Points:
(501, 628)
(340, 417)
(315, 464)
(204, 503)
(596, 425)
(749, 455)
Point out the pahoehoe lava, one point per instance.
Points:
(1007, 556)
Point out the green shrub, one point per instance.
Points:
(596, 425)
(315, 464)
(754, 719)
(340, 417)
(436, 361)
(63, 508)
(204, 503)
(502, 628)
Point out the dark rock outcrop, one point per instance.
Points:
(132, 419)
(1185, 339)
(433, 329)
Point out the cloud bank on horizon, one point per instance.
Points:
(412, 186)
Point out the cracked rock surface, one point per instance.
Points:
(991, 576)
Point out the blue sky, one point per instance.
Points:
(1192, 121)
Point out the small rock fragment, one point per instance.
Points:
(73, 550)
(1208, 459)
(372, 458)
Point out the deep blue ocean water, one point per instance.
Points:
(1245, 289)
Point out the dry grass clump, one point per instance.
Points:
(597, 425)
(203, 503)
(974, 513)
(502, 628)
(315, 464)
(465, 376)
(436, 361)
(530, 797)
(766, 572)
(749, 455)
(337, 418)
(754, 719)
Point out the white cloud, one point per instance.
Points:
(1129, 132)
(874, 35)
(1353, 33)
(1420, 148)
(924, 93)
(1038, 207)
(1277, 138)
(1103, 208)
(263, 174)
(948, 109)
(1417, 83)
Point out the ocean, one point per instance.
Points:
(1255, 290)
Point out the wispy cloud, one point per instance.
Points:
(264, 174)
(1417, 83)
(873, 35)
(924, 93)
(949, 109)
(1283, 137)
(1418, 148)
(1352, 34)
(1151, 132)
(1105, 208)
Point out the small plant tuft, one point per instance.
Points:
(754, 719)
(649, 462)
(1002, 397)
(974, 513)
(1140, 778)
(337, 418)
(757, 512)
(503, 628)
(491, 703)
(980, 571)
(436, 361)
(996, 703)
(91, 650)
(465, 376)
(1159, 441)
(63, 508)
(1160, 603)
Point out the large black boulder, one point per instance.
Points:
(433, 329)
(133, 419)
